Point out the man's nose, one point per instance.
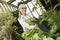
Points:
(24, 9)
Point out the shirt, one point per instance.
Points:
(23, 23)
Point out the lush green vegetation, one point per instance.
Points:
(6, 29)
(52, 16)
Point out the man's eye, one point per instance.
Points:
(22, 8)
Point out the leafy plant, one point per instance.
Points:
(6, 20)
(52, 16)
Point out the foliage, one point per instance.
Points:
(34, 34)
(30, 21)
(6, 20)
(53, 18)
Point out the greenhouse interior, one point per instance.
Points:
(29, 19)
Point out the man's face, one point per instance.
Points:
(22, 9)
